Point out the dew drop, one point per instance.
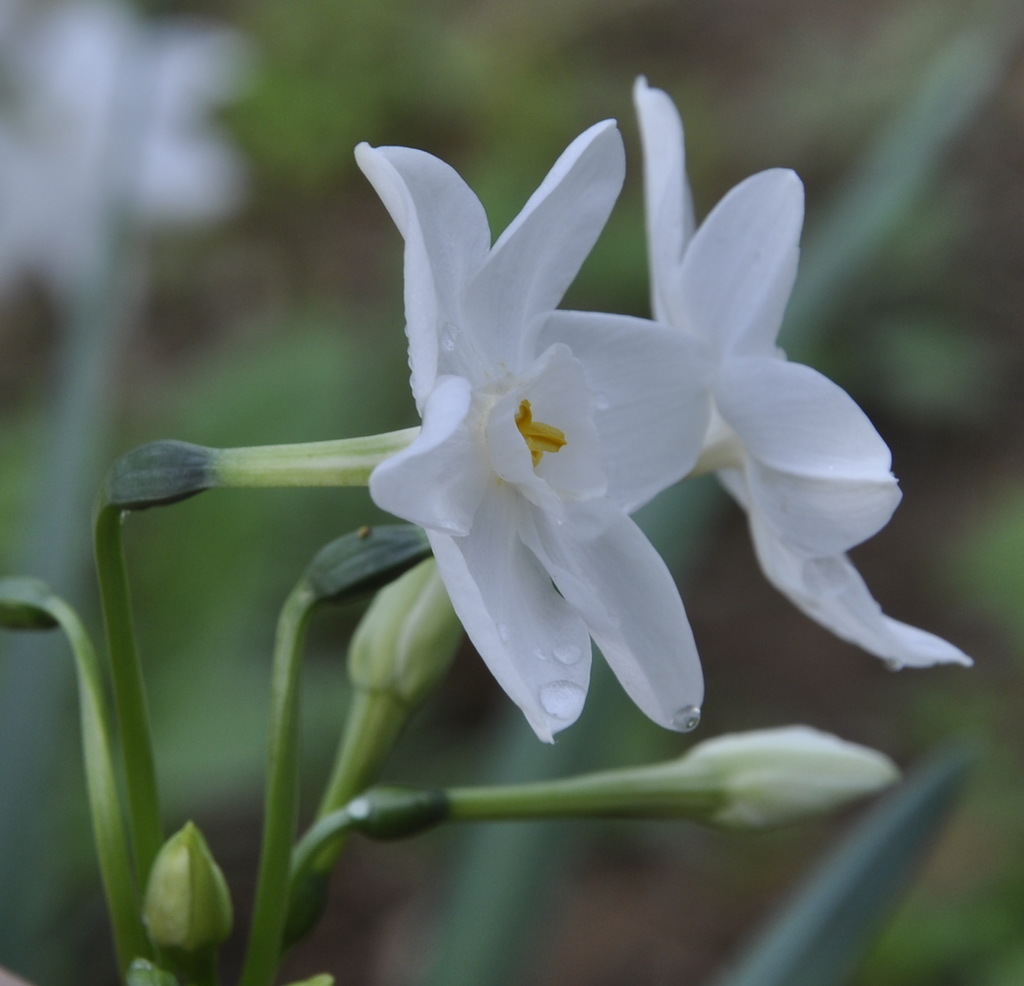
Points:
(562, 699)
(686, 720)
(448, 337)
(567, 653)
(539, 654)
(504, 633)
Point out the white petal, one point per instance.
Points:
(816, 467)
(534, 644)
(610, 573)
(438, 480)
(739, 268)
(668, 203)
(650, 396)
(539, 254)
(831, 592)
(446, 242)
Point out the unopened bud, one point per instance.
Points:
(407, 638)
(744, 780)
(187, 905)
(772, 776)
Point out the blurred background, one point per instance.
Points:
(212, 267)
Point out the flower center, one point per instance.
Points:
(539, 437)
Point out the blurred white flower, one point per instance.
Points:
(542, 430)
(103, 115)
(789, 445)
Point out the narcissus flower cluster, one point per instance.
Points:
(544, 429)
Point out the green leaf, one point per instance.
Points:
(881, 190)
(820, 937)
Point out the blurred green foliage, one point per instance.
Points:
(285, 325)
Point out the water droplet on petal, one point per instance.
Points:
(562, 699)
(504, 633)
(893, 664)
(601, 402)
(448, 337)
(539, 654)
(567, 653)
(686, 720)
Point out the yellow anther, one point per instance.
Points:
(539, 437)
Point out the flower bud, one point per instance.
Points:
(321, 979)
(744, 780)
(772, 776)
(407, 638)
(187, 905)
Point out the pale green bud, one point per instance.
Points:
(322, 979)
(744, 780)
(772, 776)
(187, 905)
(407, 638)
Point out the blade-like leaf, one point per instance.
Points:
(820, 937)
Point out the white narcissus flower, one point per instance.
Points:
(791, 447)
(542, 431)
(104, 113)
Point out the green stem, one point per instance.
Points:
(145, 828)
(198, 968)
(281, 800)
(345, 462)
(645, 792)
(130, 937)
(325, 832)
(375, 719)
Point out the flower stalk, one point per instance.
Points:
(29, 604)
(130, 703)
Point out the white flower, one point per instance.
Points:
(105, 114)
(789, 445)
(541, 431)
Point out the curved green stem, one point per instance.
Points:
(130, 937)
(375, 718)
(281, 799)
(146, 830)
(324, 833)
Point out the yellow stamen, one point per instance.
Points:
(539, 437)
